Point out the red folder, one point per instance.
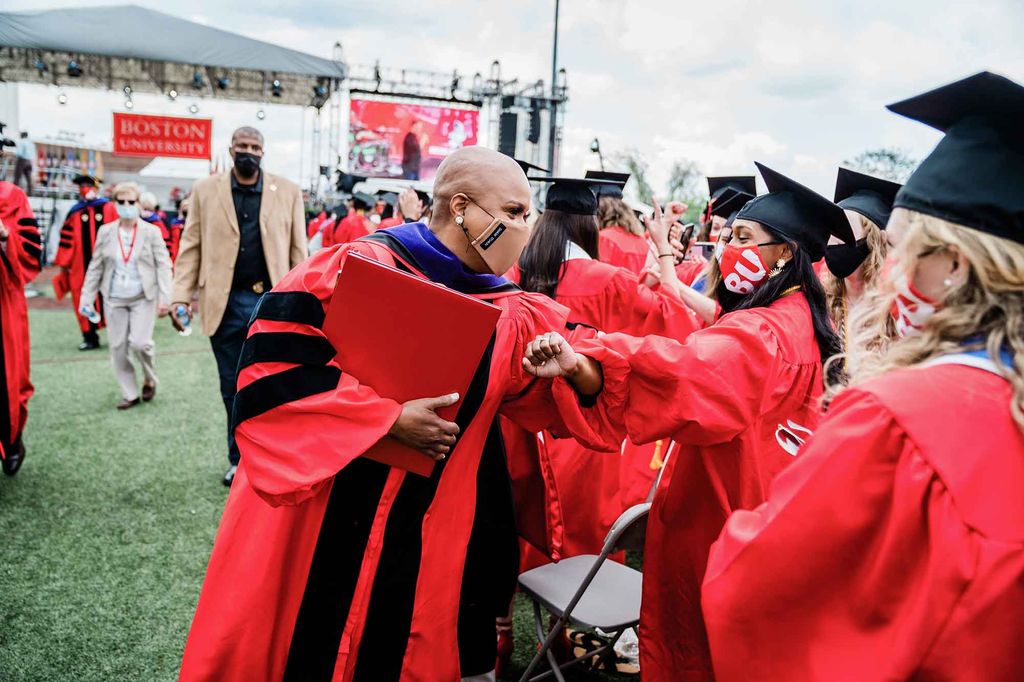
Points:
(406, 338)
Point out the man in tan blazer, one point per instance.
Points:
(245, 230)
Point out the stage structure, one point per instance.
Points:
(112, 48)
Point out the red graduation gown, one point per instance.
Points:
(315, 224)
(328, 566)
(689, 270)
(893, 550)
(19, 264)
(623, 249)
(77, 236)
(348, 229)
(738, 398)
(593, 488)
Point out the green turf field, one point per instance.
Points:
(109, 523)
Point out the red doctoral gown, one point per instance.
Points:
(19, 263)
(77, 237)
(328, 566)
(621, 248)
(593, 488)
(738, 398)
(893, 550)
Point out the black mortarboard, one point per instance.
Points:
(346, 181)
(615, 190)
(870, 196)
(729, 202)
(363, 200)
(799, 214)
(739, 183)
(387, 196)
(529, 167)
(975, 175)
(572, 195)
(86, 180)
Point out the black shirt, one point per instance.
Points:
(250, 266)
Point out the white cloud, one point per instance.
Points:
(798, 84)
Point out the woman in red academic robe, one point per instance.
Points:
(19, 263)
(560, 261)
(738, 397)
(621, 242)
(894, 548)
(77, 237)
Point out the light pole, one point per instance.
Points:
(552, 127)
(595, 147)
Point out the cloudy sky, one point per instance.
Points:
(797, 84)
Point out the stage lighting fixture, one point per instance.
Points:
(193, 108)
(62, 98)
(260, 114)
(129, 104)
(275, 88)
(223, 83)
(127, 90)
(197, 81)
(74, 70)
(41, 66)
(172, 94)
(320, 90)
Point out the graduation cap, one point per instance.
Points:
(84, 180)
(572, 195)
(388, 197)
(975, 175)
(346, 181)
(797, 213)
(729, 202)
(363, 200)
(529, 167)
(870, 196)
(614, 191)
(737, 183)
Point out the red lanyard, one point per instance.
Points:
(131, 247)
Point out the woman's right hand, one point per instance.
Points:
(419, 426)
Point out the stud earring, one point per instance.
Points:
(459, 220)
(947, 282)
(777, 270)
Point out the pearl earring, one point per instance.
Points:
(947, 282)
(459, 220)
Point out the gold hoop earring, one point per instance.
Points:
(777, 270)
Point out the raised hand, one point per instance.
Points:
(549, 356)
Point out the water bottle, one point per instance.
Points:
(89, 313)
(184, 319)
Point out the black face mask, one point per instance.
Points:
(843, 259)
(247, 164)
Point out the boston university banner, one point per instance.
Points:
(143, 135)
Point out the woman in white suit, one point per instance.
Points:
(131, 268)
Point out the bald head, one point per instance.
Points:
(484, 175)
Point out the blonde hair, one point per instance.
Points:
(613, 212)
(835, 287)
(126, 187)
(986, 311)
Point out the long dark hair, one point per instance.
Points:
(541, 263)
(799, 272)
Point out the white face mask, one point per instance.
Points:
(128, 211)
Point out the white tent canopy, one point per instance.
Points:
(147, 50)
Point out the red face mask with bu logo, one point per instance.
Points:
(742, 268)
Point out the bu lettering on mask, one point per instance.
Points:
(742, 268)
